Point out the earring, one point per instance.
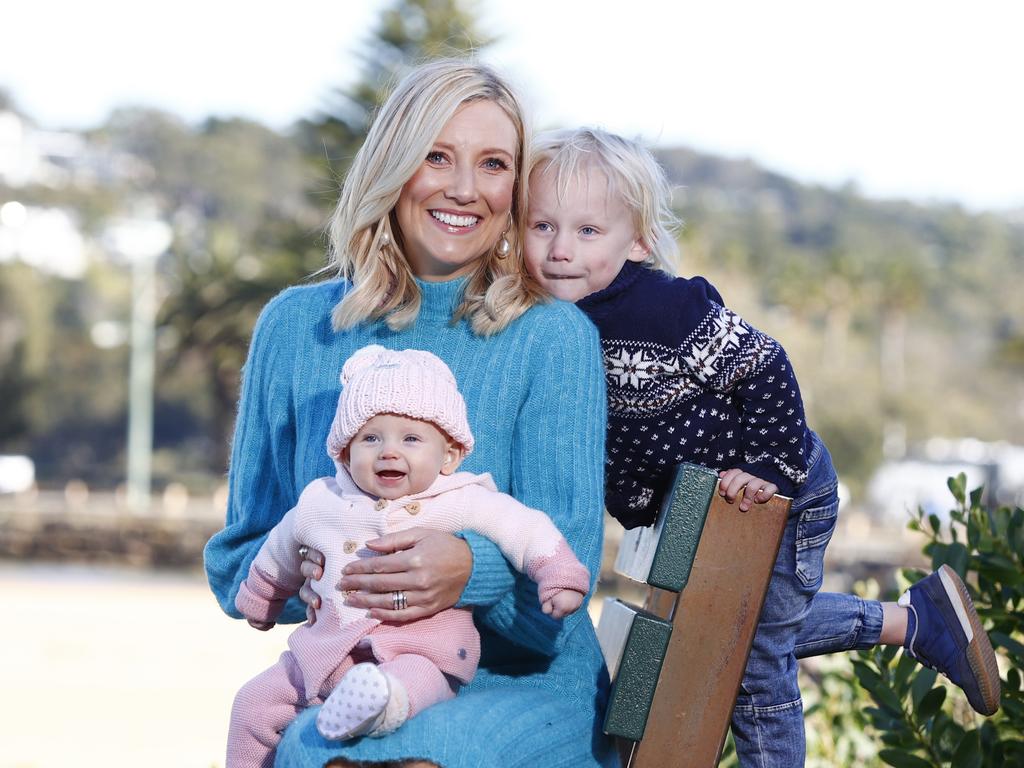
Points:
(504, 246)
(385, 240)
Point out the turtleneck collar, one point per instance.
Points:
(439, 300)
(599, 303)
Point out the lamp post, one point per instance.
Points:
(140, 241)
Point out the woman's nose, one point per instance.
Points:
(462, 185)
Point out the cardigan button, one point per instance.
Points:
(349, 547)
(413, 508)
(381, 503)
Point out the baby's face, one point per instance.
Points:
(394, 456)
(576, 245)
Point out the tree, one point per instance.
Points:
(408, 32)
(251, 211)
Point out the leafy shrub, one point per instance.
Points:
(923, 721)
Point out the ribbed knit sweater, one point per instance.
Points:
(690, 380)
(536, 403)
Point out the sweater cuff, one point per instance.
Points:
(771, 474)
(560, 571)
(255, 607)
(492, 576)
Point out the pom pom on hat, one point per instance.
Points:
(409, 382)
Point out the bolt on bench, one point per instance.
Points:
(677, 662)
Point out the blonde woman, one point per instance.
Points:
(426, 244)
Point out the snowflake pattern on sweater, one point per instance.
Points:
(689, 380)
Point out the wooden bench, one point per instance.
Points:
(677, 661)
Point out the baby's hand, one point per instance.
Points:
(562, 603)
(749, 489)
(262, 626)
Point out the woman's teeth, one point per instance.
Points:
(455, 221)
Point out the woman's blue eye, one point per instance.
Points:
(435, 157)
(495, 164)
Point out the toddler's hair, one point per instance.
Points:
(632, 173)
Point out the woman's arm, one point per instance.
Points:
(260, 478)
(557, 467)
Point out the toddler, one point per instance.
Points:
(689, 380)
(398, 437)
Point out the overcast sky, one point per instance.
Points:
(906, 98)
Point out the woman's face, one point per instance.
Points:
(455, 207)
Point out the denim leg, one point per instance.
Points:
(839, 623)
(767, 722)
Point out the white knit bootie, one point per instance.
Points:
(366, 701)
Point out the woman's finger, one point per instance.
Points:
(315, 556)
(389, 602)
(397, 541)
(394, 563)
(309, 597)
(382, 583)
(310, 570)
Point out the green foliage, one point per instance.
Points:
(407, 33)
(923, 721)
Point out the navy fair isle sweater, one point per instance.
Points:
(689, 380)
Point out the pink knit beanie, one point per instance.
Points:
(409, 382)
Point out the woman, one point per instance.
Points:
(426, 238)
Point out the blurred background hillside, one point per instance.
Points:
(903, 318)
(137, 250)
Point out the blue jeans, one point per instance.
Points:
(768, 720)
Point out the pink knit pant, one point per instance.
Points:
(270, 701)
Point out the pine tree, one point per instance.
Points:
(407, 33)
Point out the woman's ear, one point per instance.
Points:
(453, 456)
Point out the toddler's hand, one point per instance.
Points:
(562, 603)
(735, 483)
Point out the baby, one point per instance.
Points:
(398, 437)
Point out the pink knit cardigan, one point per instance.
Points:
(335, 517)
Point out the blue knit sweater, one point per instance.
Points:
(689, 380)
(536, 404)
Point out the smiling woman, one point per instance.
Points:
(459, 202)
(426, 241)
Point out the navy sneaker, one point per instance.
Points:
(946, 635)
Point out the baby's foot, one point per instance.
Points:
(357, 704)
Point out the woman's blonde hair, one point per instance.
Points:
(403, 132)
(633, 174)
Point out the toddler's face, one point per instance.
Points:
(394, 456)
(577, 245)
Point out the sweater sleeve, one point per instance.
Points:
(528, 539)
(557, 461)
(274, 575)
(260, 485)
(728, 355)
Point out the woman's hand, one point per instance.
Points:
(429, 567)
(735, 483)
(312, 567)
